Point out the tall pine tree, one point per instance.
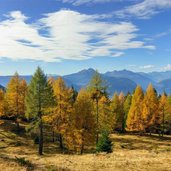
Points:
(39, 98)
(97, 88)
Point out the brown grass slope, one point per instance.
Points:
(130, 153)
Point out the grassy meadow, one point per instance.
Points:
(130, 152)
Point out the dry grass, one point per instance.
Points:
(131, 153)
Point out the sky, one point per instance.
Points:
(66, 36)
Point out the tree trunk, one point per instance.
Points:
(82, 144)
(53, 136)
(17, 124)
(163, 124)
(61, 142)
(97, 121)
(41, 138)
(82, 148)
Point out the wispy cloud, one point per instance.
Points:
(147, 67)
(144, 9)
(162, 34)
(81, 2)
(65, 35)
(166, 68)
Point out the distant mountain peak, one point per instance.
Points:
(89, 70)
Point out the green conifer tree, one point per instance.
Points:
(104, 144)
(39, 98)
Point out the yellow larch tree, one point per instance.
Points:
(15, 98)
(122, 113)
(127, 105)
(84, 121)
(61, 117)
(150, 108)
(163, 109)
(115, 109)
(2, 107)
(134, 120)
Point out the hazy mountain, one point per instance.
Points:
(164, 85)
(123, 80)
(136, 77)
(5, 79)
(119, 84)
(81, 78)
(157, 76)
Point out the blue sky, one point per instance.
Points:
(65, 36)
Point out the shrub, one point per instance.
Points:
(104, 144)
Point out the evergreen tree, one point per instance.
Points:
(104, 144)
(97, 88)
(106, 118)
(74, 95)
(134, 120)
(39, 98)
(23, 93)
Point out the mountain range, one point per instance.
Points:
(117, 81)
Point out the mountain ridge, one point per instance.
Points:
(123, 80)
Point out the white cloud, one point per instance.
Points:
(147, 67)
(81, 2)
(65, 35)
(162, 34)
(144, 9)
(167, 67)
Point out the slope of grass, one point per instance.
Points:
(131, 152)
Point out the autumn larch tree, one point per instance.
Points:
(84, 121)
(39, 98)
(150, 108)
(62, 112)
(120, 120)
(164, 113)
(163, 108)
(134, 120)
(127, 105)
(15, 98)
(115, 109)
(2, 106)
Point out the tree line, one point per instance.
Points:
(82, 120)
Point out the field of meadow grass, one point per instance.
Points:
(130, 153)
